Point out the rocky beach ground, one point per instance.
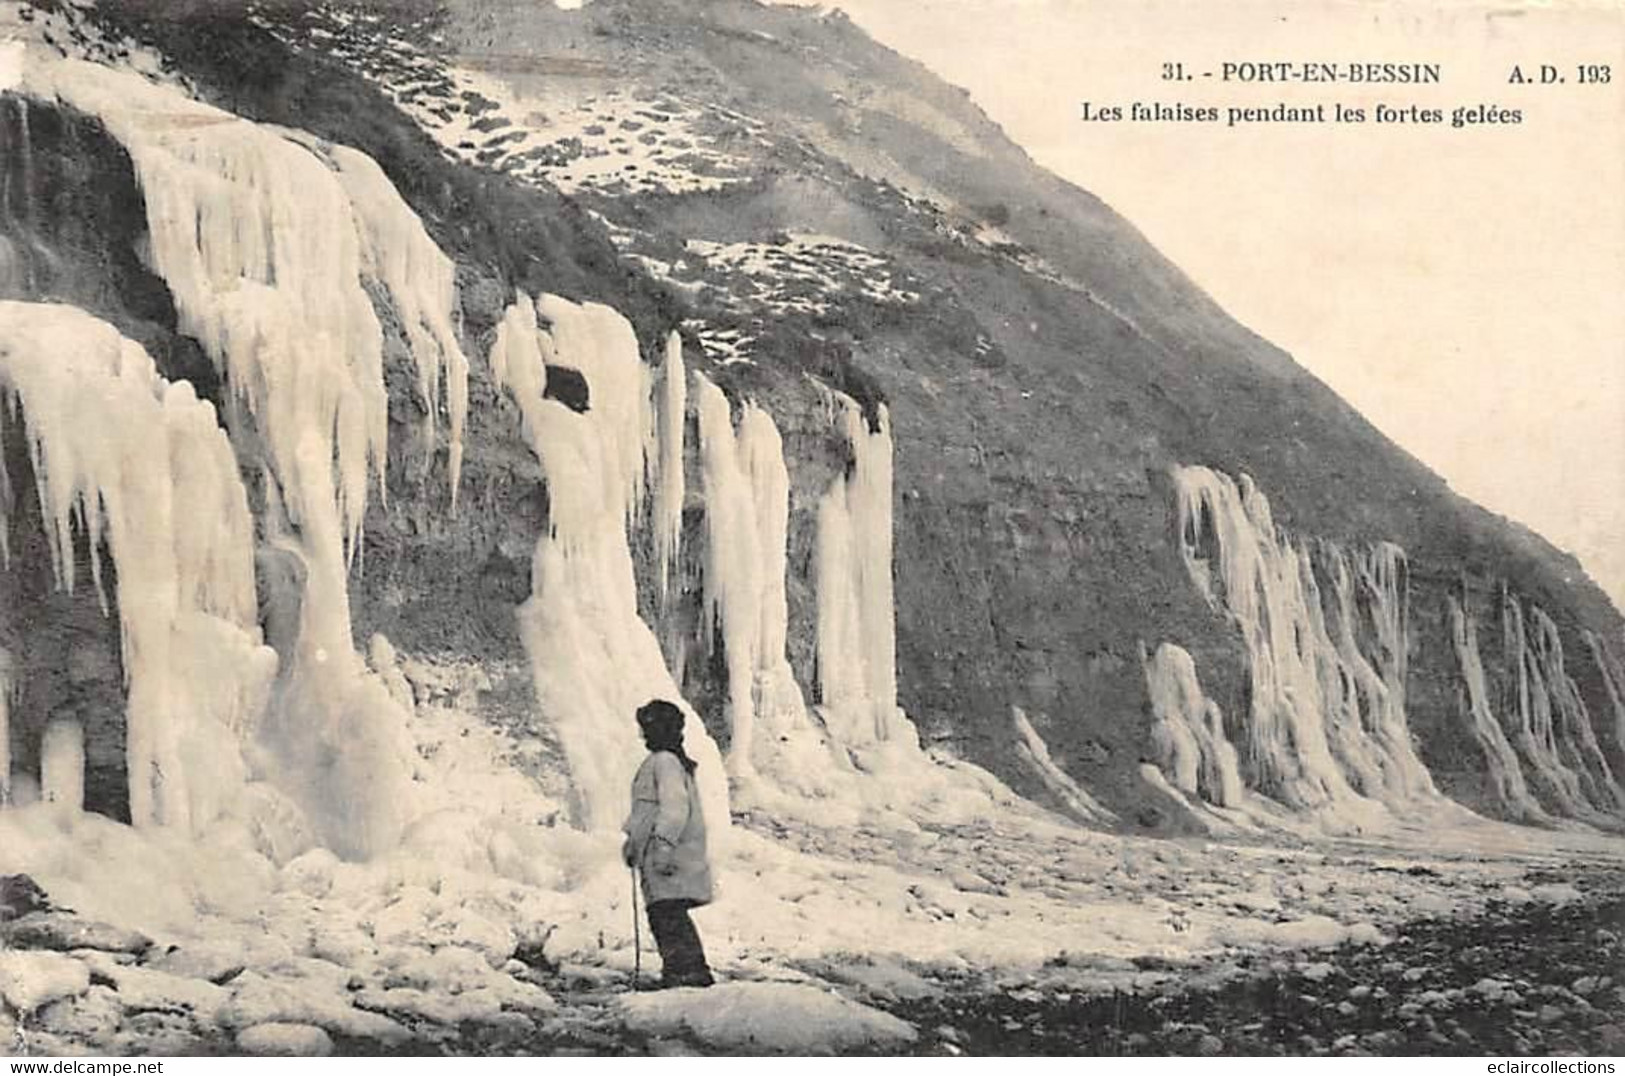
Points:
(1501, 959)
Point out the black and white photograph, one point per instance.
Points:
(901, 528)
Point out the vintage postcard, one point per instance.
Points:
(908, 527)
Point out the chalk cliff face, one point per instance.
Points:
(708, 351)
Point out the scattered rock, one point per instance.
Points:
(92, 1017)
(143, 989)
(64, 931)
(589, 976)
(785, 1018)
(879, 979)
(284, 1040)
(31, 979)
(216, 963)
(256, 999)
(971, 882)
(1210, 1046)
(1253, 901)
(20, 895)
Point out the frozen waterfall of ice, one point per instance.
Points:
(1547, 719)
(747, 517)
(1326, 731)
(1501, 761)
(594, 659)
(266, 238)
(1031, 749)
(1612, 673)
(126, 460)
(857, 649)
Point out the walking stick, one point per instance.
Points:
(637, 934)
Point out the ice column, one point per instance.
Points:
(594, 659)
(733, 567)
(747, 512)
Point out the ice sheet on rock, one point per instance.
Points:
(1547, 718)
(1031, 749)
(146, 989)
(158, 880)
(1189, 735)
(1505, 772)
(778, 1018)
(284, 1040)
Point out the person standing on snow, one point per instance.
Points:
(665, 843)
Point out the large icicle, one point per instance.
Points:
(733, 567)
(422, 283)
(857, 649)
(669, 486)
(265, 238)
(747, 513)
(8, 691)
(124, 458)
(594, 659)
(1326, 729)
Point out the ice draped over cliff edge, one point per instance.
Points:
(1325, 632)
(1327, 637)
(267, 240)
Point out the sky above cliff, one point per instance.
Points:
(1461, 287)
